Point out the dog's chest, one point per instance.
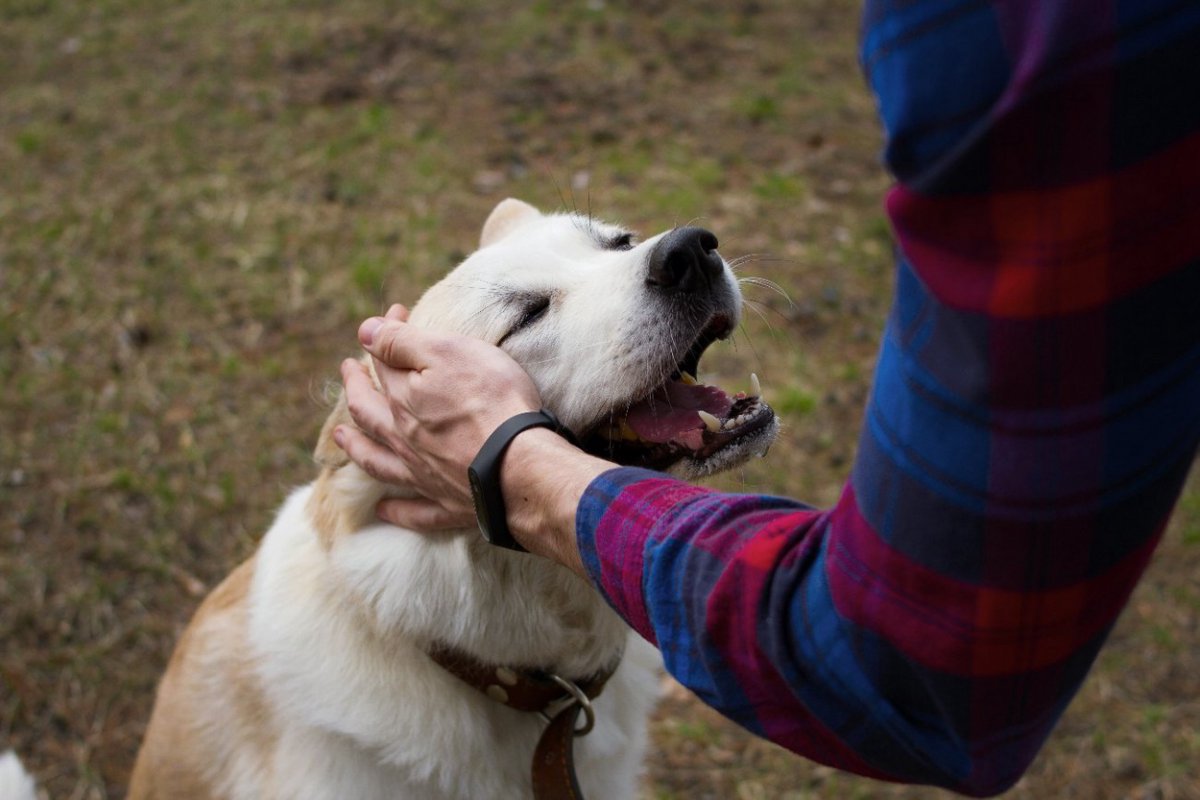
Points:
(365, 713)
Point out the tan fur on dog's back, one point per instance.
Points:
(209, 692)
(211, 710)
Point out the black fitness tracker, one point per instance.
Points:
(484, 474)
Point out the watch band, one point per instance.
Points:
(484, 474)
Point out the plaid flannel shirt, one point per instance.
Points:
(1035, 409)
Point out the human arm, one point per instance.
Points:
(1031, 421)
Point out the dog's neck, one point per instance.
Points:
(456, 590)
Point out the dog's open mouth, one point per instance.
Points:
(685, 419)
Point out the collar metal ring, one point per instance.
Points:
(577, 696)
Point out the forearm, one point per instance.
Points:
(811, 629)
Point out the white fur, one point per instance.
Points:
(15, 782)
(366, 695)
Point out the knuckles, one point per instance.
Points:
(357, 409)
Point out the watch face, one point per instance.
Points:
(480, 505)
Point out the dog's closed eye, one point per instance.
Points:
(534, 307)
(534, 310)
(622, 241)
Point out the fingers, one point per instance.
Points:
(367, 405)
(422, 515)
(376, 460)
(397, 344)
(397, 313)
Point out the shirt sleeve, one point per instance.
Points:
(1031, 422)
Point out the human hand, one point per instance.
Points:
(442, 396)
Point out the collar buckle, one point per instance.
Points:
(575, 696)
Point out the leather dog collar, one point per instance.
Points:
(558, 700)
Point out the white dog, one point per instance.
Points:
(308, 672)
(15, 782)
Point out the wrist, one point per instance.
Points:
(543, 479)
(484, 473)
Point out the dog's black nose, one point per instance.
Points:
(684, 260)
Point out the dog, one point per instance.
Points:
(317, 669)
(15, 782)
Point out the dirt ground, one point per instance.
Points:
(200, 200)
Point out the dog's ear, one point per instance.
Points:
(327, 453)
(505, 218)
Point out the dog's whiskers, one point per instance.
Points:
(757, 308)
(750, 341)
(757, 258)
(766, 283)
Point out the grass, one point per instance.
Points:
(199, 201)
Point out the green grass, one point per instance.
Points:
(199, 203)
(794, 402)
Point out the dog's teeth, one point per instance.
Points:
(755, 386)
(687, 378)
(712, 423)
(628, 433)
(730, 424)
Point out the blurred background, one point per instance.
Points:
(199, 201)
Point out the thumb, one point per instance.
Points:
(396, 343)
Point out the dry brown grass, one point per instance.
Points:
(198, 202)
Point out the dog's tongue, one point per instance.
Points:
(669, 415)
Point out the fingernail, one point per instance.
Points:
(366, 331)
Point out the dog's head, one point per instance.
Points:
(611, 329)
